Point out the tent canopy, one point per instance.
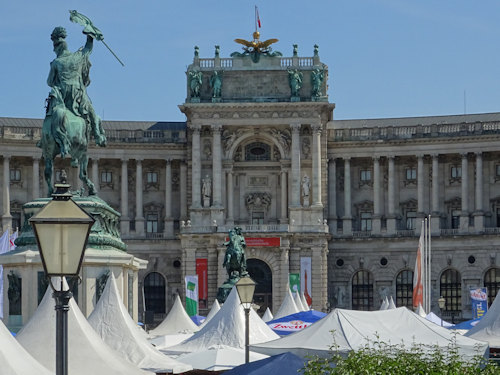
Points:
(177, 321)
(352, 330)
(295, 322)
(283, 364)
(488, 328)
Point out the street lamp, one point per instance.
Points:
(441, 303)
(246, 287)
(61, 230)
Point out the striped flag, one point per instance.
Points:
(257, 18)
(192, 295)
(418, 286)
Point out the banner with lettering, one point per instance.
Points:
(479, 300)
(305, 278)
(202, 272)
(191, 295)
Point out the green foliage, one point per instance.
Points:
(379, 358)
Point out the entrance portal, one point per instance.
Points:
(261, 273)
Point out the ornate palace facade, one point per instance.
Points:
(260, 149)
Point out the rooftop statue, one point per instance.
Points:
(70, 117)
(255, 48)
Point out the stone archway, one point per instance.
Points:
(261, 273)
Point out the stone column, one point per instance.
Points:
(196, 168)
(317, 279)
(124, 220)
(168, 230)
(216, 166)
(295, 150)
(316, 165)
(391, 217)
(139, 207)
(183, 189)
(347, 219)
(284, 189)
(230, 198)
(464, 216)
(95, 173)
(332, 195)
(435, 214)
(376, 196)
(36, 178)
(6, 217)
(284, 272)
(479, 213)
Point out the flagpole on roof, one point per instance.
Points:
(429, 273)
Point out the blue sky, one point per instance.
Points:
(386, 58)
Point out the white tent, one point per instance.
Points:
(87, 353)
(214, 310)
(288, 306)
(14, 359)
(111, 320)
(227, 327)
(304, 301)
(420, 311)
(177, 321)
(431, 317)
(351, 330)
(385, 304)
(488, 328)
(298, 302)
(166, 341)
(218, 358)
(392, 305)
(268, 316)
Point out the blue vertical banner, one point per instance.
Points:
(479, 300)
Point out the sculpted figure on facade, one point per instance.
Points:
(317, 77)
(306, 148)
(284, 138)
(195, 79)
(258, 200)
(295, 81)
(306, 189)
(70, 116)
(216, 84)
(206, 190)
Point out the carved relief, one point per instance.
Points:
(306, 148)
(284, 138)
(257, 201)
(175, 181)
(207, 149)
(230, 137)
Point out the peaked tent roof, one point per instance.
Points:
(298, 302)
(420, 311)
(14, 359)
(214, 310)
(218, 358)
(283, 364)
(287, 307)
(112, 322)
(295, 322)
(353, 330)
(304, 301)
(431, 317)
(87, 353)
(385, 304)
(227, 327)
(392, 305)
(488, 328)
(268, 315)
(177, 321)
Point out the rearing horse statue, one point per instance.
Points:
(70, 117)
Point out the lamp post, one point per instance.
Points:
(246, 287)
(61, 230)
(441, 303)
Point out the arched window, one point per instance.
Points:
(257, 151)
(404, 289)
(492, 283)
(154, 293)
(362, 291)
(451, 290)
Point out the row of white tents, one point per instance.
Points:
(110, 342)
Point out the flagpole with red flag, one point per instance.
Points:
(257, 18)
(418, 287)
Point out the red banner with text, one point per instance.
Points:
(264, 241)
(202, 272)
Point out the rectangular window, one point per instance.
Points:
(106, 177)
(497, 170)
(366, 221)
(257, 218)
(365, 175)
(455, 219)
(411, 217)
(411, 174)
(152, 223)
(15, 175)
(456, 172)
(152, 177)
(498, 217)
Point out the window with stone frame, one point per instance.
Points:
(152, 223)
(410, 175)
(258, 217)
(365, 177)
(455, 219)
(404, 289)
(152, 180)
(15, 175)
(492, 283)
(409, 210)
(106, 180)
(257, 151)
(362, 291)
(450, 289)
(411, 220)
(152, 214)
(498, 216)
(455, 174)
(365, 214)
(454, 209)
(154, 293)
(497, 172)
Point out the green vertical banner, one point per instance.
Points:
(192, 295)
(294, 282)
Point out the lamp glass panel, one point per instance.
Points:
(246, 288)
